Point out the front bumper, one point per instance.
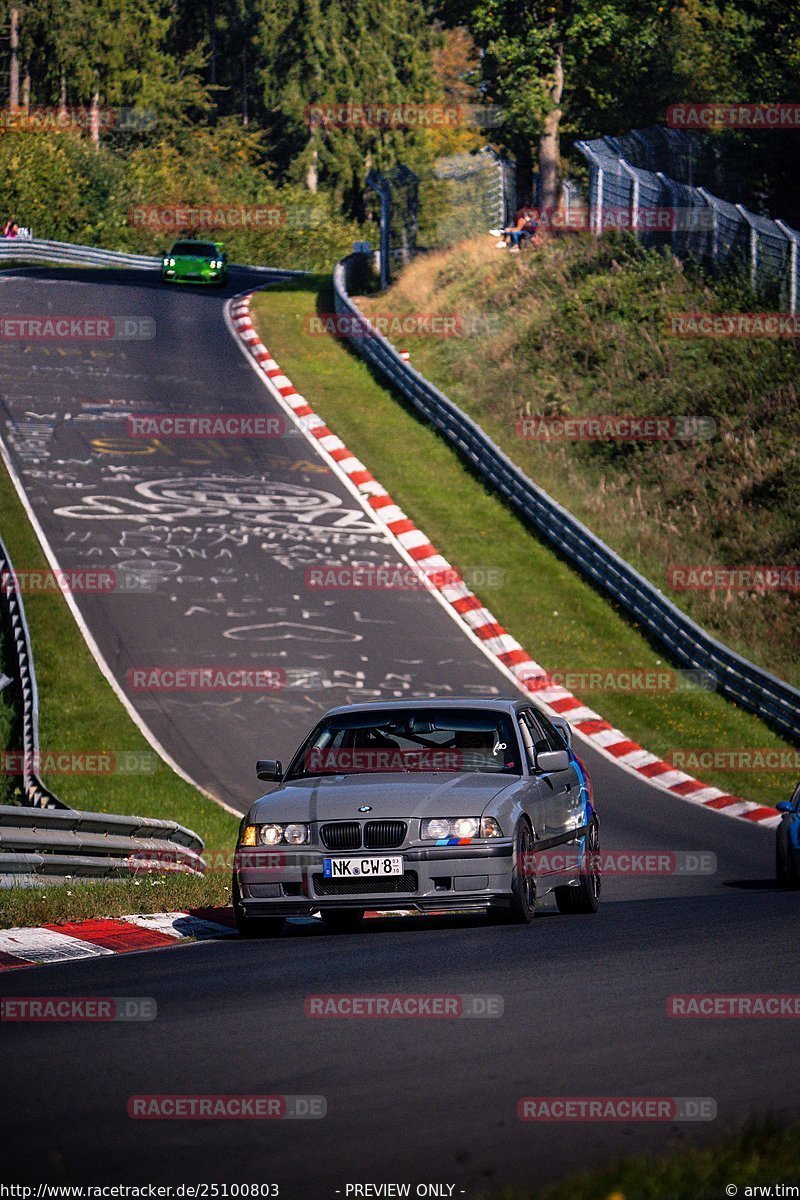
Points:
(290, 883)
(170, 275)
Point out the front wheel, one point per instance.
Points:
(585, 897)
(521, 910)
(254, 927)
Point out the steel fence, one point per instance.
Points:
(776, 701)
(461, 196)
(628, 175)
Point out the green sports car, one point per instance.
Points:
(195, 262)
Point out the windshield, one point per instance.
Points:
(455, 740)
(198, 249)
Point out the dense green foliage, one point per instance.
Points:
(230, 88)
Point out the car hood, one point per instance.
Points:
(338, 798)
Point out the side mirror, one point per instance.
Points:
(270, 770)
(552, 760)
(784, 806)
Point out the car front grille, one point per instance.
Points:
(377, 835)
(384, 835)
(341, 835)
(375, 885)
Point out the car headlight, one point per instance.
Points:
(490, 828)
(170, 262)
(273, 835)
(435, 829)
(451, 827)
(295, 835)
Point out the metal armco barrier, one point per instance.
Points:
(13, 616)
(777, 702)
(50, 845)
(37, 250)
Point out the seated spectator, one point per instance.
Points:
(523, 229)
(10, 228)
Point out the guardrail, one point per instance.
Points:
(38, 250)
(40, 846)
(776, 701)
(13, 612)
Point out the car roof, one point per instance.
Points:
(507, 704)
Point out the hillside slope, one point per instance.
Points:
(580, 328)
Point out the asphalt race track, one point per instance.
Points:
(420, 1101)
(223, 531)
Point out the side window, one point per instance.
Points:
(553, 735)
(796, 799)
(535, 731)
(545, 736)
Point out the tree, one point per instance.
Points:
(546, 61)
(317, 53)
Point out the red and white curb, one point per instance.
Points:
(96, 938)
(463, 604)
(67, 941)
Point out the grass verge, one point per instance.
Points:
(24, 907)
(758, 1156)
(559, 618)
(79, 711)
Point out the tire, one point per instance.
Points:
(343, 920)
(254, 927)
(521, 910)
(585, 897)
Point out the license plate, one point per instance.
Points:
(359, 868)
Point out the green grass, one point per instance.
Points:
(556, 615)
(21, 907)
(761, 1155)
(78, 710)
(580, 328)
